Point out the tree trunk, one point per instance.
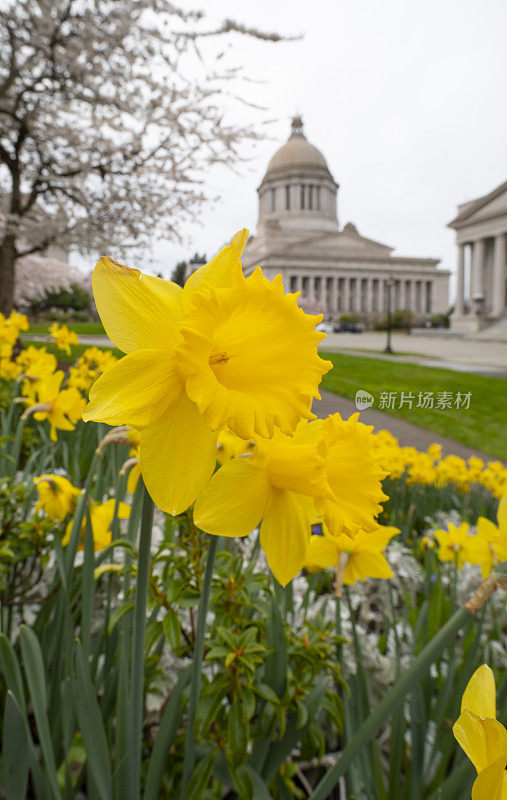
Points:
(7, 262)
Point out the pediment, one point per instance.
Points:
(493, 204)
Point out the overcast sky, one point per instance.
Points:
(406, 100)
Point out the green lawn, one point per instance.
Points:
(81, 328)
(482, 426)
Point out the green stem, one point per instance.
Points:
(137, 678)
(392, 701)
(189, 762)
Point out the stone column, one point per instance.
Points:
(459, 308)
(478, 256)
(334, 295)
(381, 299)
(369, 295)
(499, 258)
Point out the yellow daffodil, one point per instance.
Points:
(62, 408)
(482, 737)
(455, 544)
(224, 351)
(492, 540)
(37, 364)
(101, 517)
(275, 483)
(364, 556)
(9, 369)
(57, 496)
(92, 363)
(353, 475)
(63, 338)
(288, 482)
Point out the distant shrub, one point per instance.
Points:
(75, 298)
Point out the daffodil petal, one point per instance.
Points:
(223, 270)
(138, 311)
(483, 740)
(137, 391)
(233, 502)
(366, 564)
(285, 535)
(501, 514)
(178, 455)
(479, 696)
(491, 783)
(322, 553)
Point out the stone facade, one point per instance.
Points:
(481, 236)
(337, 270)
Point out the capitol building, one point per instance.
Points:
(336, 269)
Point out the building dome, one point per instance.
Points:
(297, 151)
(298, 190)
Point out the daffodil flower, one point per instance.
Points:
(492, 540)
(353, 476)
(364, 554)
(57, 496)
(482, 737)
(101, 517)
(63, 338)
(455, 544)
(224, 351)
(288, 482)
(62, 408)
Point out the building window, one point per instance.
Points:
(428, 297)
(317, 198)
(293, 283)
(305, 285)
(287, 198)
(273, 199)
(303, 196)
(310, 196)
(317, 287)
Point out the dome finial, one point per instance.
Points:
(297, 126)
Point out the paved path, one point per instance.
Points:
(406, 432)
(463, 355)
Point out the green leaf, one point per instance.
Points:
(15, 751)
(172, 630)
(275, 666)
(267, 693)
(36, 679)
(237, 732)
(243, 781)
(92, 726)
(118, 614)
(12, 673)
(164, 739)
(200, 777)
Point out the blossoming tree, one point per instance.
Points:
(107, 117)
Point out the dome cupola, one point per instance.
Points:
(298, 189)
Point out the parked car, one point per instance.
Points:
(324, 327)
(348, 327)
